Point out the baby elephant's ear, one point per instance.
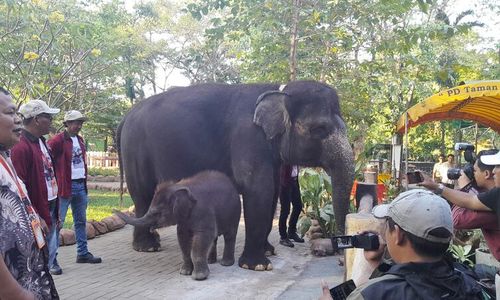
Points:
(183, 203)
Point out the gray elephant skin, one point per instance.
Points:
(204, 207)
(245, 131)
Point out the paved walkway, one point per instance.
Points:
(127, 274)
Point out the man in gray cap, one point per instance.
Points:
(418, 230)
(32, 160)
(68, 149)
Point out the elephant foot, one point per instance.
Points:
(255, 263)
(269, 249)
(186, 269)
(227, 261)
(200, 274)
(146, 241)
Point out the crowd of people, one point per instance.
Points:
(419, 225)
(39, 179)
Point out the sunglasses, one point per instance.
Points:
(46, 116)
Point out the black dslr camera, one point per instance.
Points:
(469, 157)
(367, 241)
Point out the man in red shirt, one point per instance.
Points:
(32, 160)
(471, 210)
(68, 149)
(464, 218)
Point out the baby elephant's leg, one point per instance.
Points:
(229, 244)
(199, 254)
(185, 242)
(212, 256)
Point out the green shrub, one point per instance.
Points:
(104, 171)
(316, 193)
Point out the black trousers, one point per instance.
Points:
(289, 194)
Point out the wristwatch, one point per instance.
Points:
(439, 189)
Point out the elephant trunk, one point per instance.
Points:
(148, 220)
(338, 160)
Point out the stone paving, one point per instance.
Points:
(127, 274)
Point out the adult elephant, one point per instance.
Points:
(245, 131)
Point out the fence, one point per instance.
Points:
(102, 159)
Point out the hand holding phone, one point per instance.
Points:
(342, 290)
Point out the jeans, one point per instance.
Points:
(289, 194)
(53, 236)
(78, 203)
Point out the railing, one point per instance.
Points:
(102, 159)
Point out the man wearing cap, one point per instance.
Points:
(32, 160)
(417, 233)
(463, 218)
(68, 149)
(487, 201)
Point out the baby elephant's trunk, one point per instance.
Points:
(145, 221)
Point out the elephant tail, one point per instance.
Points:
(145, 221)
(120, 159)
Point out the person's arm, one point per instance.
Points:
(464, 218)
(10, 289)
(456, 197)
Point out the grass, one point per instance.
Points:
(101, 205)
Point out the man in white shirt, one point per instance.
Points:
(68, 150)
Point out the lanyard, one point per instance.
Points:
(15, 178)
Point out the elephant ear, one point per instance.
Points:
(182, 203)
(271, 114)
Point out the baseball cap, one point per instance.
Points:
(491, 160)
(74, 115)
(35, 107)
(419, 212)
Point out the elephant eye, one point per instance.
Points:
(319, 132)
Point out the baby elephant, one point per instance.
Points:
(203, 207)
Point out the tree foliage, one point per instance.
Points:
(383, 56)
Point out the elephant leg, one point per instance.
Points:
(269, 249)
(199, 252)
(229, 245)
(257, 222)
(212, 256)
(144, 240)
(185, 242)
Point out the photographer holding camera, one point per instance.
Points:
(487, 201)
(418, 230)
(482, 180)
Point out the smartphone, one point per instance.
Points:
(342, 290)
(414, 177)
(367, 241)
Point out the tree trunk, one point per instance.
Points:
(293, 40)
